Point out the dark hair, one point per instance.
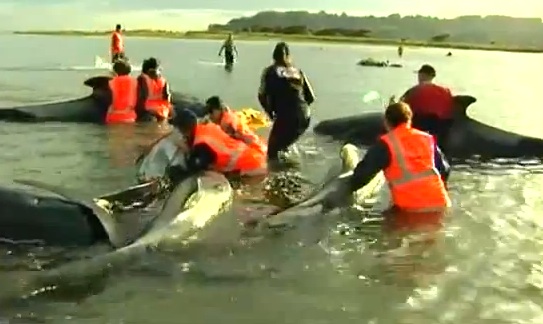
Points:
(118, 27)
(398, 113)
(214, 103)
(280, 54)
(122, 68)
(428, 70)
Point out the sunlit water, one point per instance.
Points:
(484, 266)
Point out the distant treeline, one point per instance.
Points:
(500, 30)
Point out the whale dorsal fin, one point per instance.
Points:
(461, 104)
(98, 82)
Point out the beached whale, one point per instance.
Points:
(89, 109)
(375, 63)
(467, 136)
(190, 207)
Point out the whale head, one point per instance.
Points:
(349, 157)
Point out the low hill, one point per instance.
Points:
(488, 30)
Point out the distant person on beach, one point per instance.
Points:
(117, 45)
(400, 51)
(229, 50)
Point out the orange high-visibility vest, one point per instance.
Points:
(155, 102)
(117, 43)
(415, 184)
(232, 155)
(230, 122)
(123, 104)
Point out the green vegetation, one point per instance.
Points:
(497, 33)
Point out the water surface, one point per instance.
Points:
(483, 267)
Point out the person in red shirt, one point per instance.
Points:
(117, 45)
(432, 105)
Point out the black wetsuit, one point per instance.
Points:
(285, 94)
(378, 158)
(229, 49)
(117, 56)
(143, 114)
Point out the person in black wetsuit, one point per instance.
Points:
(229, 49)
(150, 67)
(285, 94)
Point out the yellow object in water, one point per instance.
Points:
(253, 118)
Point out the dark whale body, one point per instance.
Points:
(89, 109)
(467, 137)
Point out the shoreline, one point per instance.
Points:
(287, 37)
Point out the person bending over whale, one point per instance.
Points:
(232, 125)
(121, 97)
(285, 94)
(432, 105)
(413, 165)
(154, 96)
(209, 147)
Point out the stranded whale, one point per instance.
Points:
(467, 136)
(89, 109)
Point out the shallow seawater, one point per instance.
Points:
(482, 266)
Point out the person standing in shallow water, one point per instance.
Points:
(285, 94)
(117, 45)
(229, 49)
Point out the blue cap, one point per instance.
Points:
(184, 118)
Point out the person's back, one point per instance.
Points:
(430, 99)
(415, 183)
(153, 93)
(232, 155)
(123, 96)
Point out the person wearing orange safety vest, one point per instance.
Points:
(122, 96)
(117, 45)
(229, 121)
(413, 165)
(154, 96)
(210, 148)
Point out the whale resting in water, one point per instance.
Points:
(467, 136)
(375, 63)
(308, 210)
(89, 109)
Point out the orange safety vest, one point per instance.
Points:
(155, 102)
(123, 103)
(117, 44)
(415, 184)
(232, 155)
(230, 122)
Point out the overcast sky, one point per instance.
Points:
(197, 14)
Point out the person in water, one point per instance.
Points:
(121, 96)
(413, 165)
(229, 49)
(117, 44)
(232, 125)
(432, 105)
(154, 96)
(209, 147)
(285, 94)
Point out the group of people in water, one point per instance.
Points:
(409, 153)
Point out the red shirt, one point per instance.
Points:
(430, 99)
